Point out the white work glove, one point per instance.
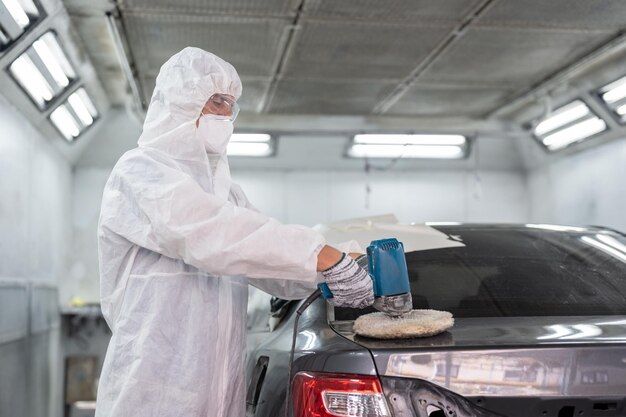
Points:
(350, 284)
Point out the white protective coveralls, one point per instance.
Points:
(177, 246)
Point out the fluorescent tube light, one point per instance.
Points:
(249, 149)
(395, 139)
(250, 137)
(74, 115)
(614, 91)
(31, 79)
(574, 133)
(82, 106)
(51, 54)
(621, 110)
(562, 116)
(87, 101)
(17, 12)
(79, 107)
(406, 151)
(65, 122)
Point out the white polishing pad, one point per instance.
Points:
(415, 323)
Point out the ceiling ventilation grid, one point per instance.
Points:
(75, 115)
(395, 146)
(43, 71)
(614, 96)
(569, 124)
(16, 18)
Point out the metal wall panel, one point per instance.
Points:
(13, 311)
(44, 308)
(45, 381)
(13, 378)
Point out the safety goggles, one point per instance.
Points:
(222, 106)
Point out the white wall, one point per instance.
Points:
(413, 196)
(84, 279)
(586, 188)
(35, 186)
(311, 197)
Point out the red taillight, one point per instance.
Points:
(324, 395)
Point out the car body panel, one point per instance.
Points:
(318, 348)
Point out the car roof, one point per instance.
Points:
(430, 235)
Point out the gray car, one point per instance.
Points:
(540, 330)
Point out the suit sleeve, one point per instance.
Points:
(165, 210)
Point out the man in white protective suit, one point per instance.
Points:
(178, 245)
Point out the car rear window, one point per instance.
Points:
(519, 272)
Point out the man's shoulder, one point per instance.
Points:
(140, 161)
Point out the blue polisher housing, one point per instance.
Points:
(387, 267)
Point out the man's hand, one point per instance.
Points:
(350, 284)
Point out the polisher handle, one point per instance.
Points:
(326, 292)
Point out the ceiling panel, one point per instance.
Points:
(253, 93)
(425, 100)
(319, 97)
(596, 14)
(97, 40)
(115, 85)
(247, 7)
(510, 57)
(251, 45)
(332, 50)
(395, 10)
(99, 45)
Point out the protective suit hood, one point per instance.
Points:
(184, 84)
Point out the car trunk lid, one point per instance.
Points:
(506, 365)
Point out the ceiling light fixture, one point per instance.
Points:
(379, 139)
(574, 133)
(392, 146)
(568, 124)
(65, 122)
(16, 17)
(75, 115)
(43, 70)
(250, 137)
(250, 144)
(614, 91)
(563, 116)
(614, 96)
(82, 106)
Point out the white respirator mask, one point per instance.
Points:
(215, 132)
